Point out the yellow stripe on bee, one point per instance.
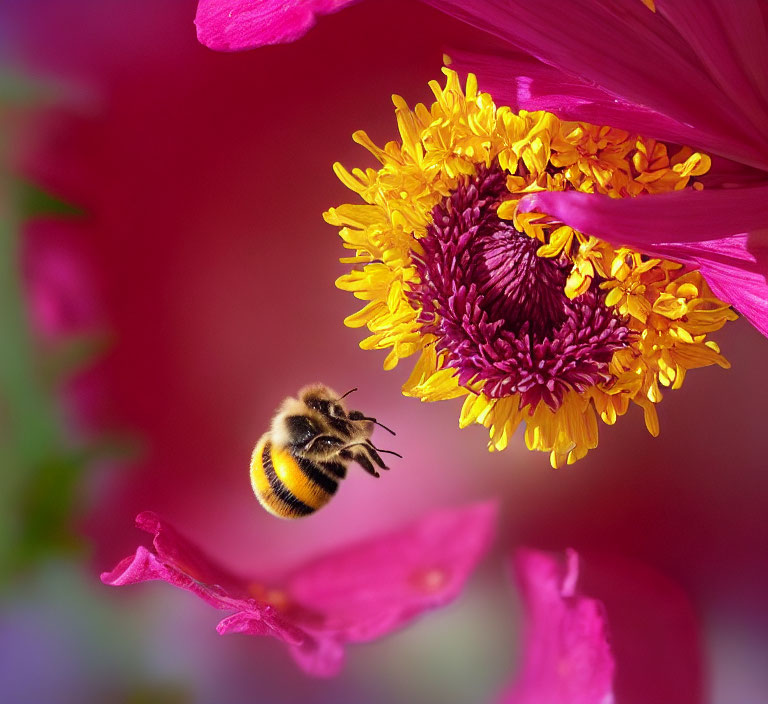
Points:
(260, 483)
(296, 481)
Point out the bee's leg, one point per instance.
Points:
(375, 456)
(365, 463)
(323, 444)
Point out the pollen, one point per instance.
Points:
(531, 322)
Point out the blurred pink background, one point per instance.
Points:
(204, 255)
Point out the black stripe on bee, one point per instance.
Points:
(335, 468)
(297, 507)
(316, 475)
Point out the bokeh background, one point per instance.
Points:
(176, 281)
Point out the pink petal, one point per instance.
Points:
(323, 657)
(356, 593)
(183, 565)
(566, 656)
(263, 622)
(704, 229)
(373, 587)
(145, 566)
(729, 38)
(632, 54)
(681, 216)
(746, 290)
(524, 83)
(174, 549)
(234, 25)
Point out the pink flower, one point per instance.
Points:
(691, 72)
(633, 640)
(233, 25)
(566, 656)
(354, 594)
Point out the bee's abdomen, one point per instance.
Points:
(286, 485)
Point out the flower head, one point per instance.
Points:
(531, 321)
(354, 594)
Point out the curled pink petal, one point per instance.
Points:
(234, 25)
(174, 549)
(263, 623)
(680, 216)
(566, 655)
(357, 593)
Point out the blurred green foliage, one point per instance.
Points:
(40, 467)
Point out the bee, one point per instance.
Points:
(297, 464)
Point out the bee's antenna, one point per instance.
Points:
(389, 452)
(381, 425)
(347, 394)
(370, 444)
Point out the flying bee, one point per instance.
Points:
(297, 464)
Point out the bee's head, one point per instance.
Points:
(324, 400)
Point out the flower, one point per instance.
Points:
(241, 24)
(567, 658)
(530, 321)
(600, 630)
(353, 594)
(684, 71)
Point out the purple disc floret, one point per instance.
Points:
(499, 312)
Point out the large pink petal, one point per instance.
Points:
(730, 40)
(704, 229)
(234, 25)
(566, 656)
(375, 586)
(356, 593)
(635, 55)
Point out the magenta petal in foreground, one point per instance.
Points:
(567, 659)
(642, 59)
(234, 25)
(357, 593)
(706, 229)
(422, 566)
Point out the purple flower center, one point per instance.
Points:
(499, 312)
